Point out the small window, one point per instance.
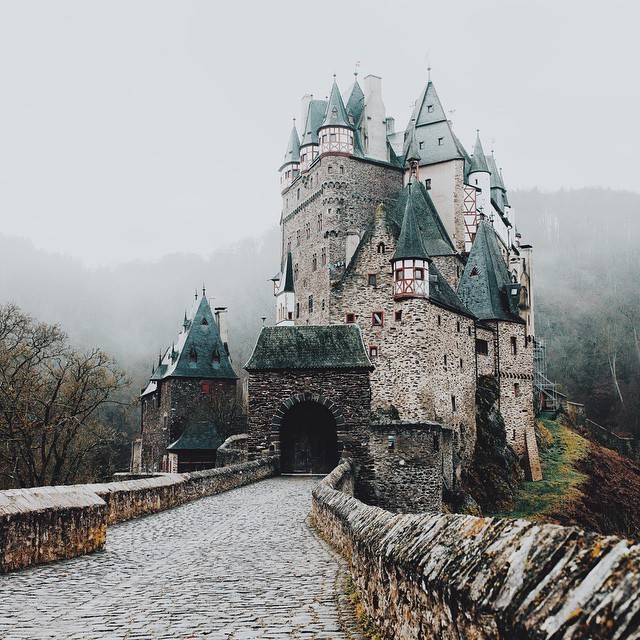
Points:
(206, 387)
(398, 316)
(440, 141)
(350, 318)
(372, 280)
(439, 320)
(295, 271)
(399, 274)
(204, 322)
(469, 329)
(323, 256)
(482, 347)
(323, 305)
(193, 356)
(474, 271)
(298, 238)
(298, 194)
(419, 274)
(341, 169)
(310, 304)
(429, 108)
(453, 403)
(421, 145)
(381, 247)
(516, 389)
(461, 363)
(314, 262)
(332, 137)
(297, 309)
(377, 318)
(320, 221)
(436, 442)
(458, 326)
(330, 169)
(427, 183)
(445, 360)
(514, 345)
(373, 352)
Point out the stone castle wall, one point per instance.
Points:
(347, 394)
(326, 210)
(51, 523)
(409, 468)
(516, 383)
(453, 576)
(165, 412)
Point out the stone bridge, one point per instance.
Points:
(239, 565)
(245, 564)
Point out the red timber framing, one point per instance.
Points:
(470, 213)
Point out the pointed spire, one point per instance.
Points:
(196, 294)
(336, 114)
(355, 101)
(412, 151)
(410, 243)
(478, 160)
(204, 291)
(292, 154)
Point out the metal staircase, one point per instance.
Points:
(546, 395)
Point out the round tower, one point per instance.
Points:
(336, 131)
(410, 262)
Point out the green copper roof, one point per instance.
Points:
(441, 292)
(478, 160)
(309, 347)
(355, 102)
(485, 286)
(313, 120)
(435, 238)
(428, 109)
(336, 114)
(292, 154)
(410, 243)
(198, 435)
(199, 352)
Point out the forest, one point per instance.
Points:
(586, 272)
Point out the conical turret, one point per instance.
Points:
(410, 261)
(290, 168)
(336, 132)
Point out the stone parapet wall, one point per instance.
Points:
(51, 523)
(454, 576)
(234, 450)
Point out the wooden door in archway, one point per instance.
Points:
(308, 439)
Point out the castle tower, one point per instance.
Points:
(487, 289)
(410, 262)
(191, 393)
(290, 168)
(442, 160)
(309, 147)
(480, 178)
(336, 131)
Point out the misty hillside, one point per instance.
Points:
(135, 309)
(586, 269)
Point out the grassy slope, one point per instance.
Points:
(584, 485)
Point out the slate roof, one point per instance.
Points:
(435, 238)
(287, 282)
(485, 285)
(431, 129)
(355, 101)
(192, 356)
(336, 114)
(410, 243)
(313, 119)
(198, 435)
(292, 154)
(309, 347)
(478, 160)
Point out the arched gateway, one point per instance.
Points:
(307, 427)
(309, 396)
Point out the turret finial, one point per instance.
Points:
(429, 73)
(204, 291)
(196, 294)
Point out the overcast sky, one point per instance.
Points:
(134, 128)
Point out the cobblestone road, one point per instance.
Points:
(240, 565)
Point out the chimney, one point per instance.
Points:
(223, 329)
(375, 123)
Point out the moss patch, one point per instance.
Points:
(561, 482)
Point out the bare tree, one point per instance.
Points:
(51, 396)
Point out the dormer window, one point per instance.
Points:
(204, 322)
(440, 141)
(429, 108)
(421, 145)
(474, 271)
(427, 184)
(216, 356)
(193, 356)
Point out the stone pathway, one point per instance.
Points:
(240, 565)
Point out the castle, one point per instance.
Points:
(402, 281)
